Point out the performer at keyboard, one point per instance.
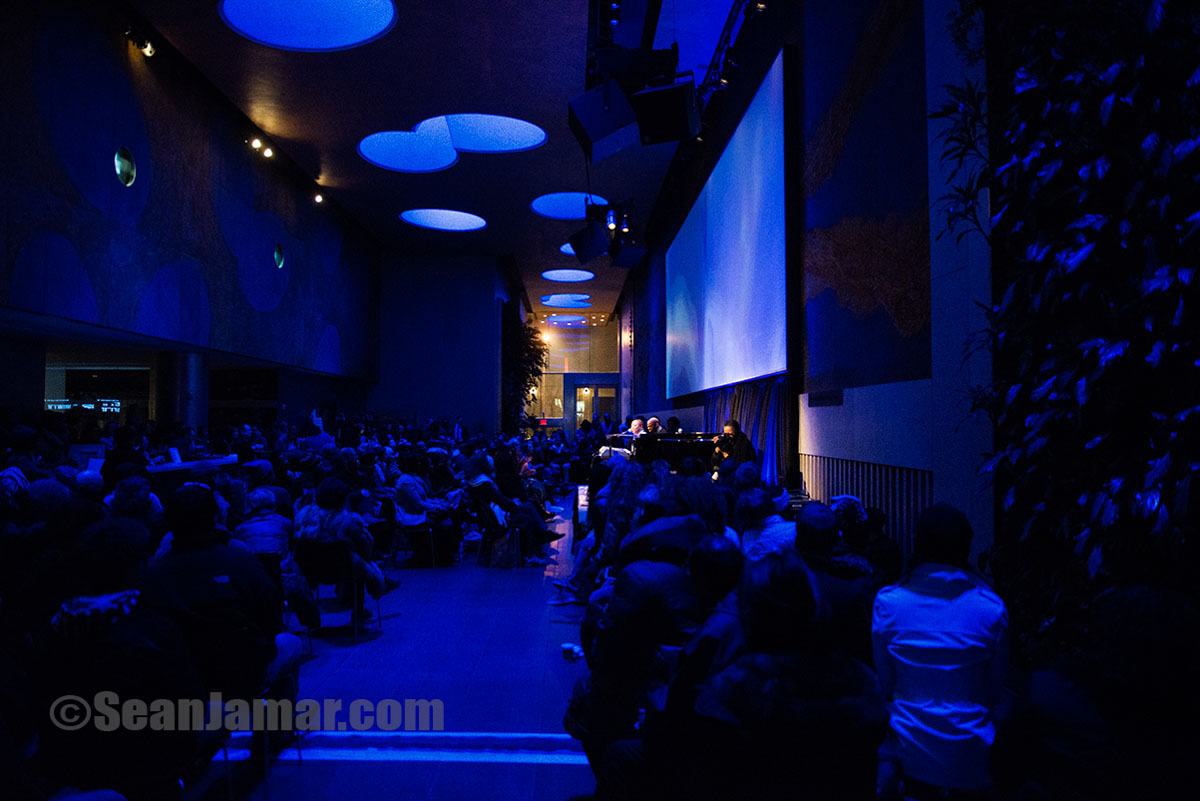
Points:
(733, 444)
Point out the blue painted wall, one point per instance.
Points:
(186, 253)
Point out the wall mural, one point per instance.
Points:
(866, 253)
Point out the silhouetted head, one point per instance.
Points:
(777, 603)
(816, 529)
(943, 536)
(191, 513)
(259, 501)
(715, 567)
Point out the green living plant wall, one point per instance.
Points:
(1081, 168)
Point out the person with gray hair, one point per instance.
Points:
(264, 531)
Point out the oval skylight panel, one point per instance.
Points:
(492, 133)
(426, 148)
(567, 300)
(565, 205)
(567, 275)
(443, 219)
(566, 319)
(309, 25)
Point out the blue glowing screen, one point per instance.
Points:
(568, 275)
(725, 267)
(491, 133)
(443, 219)
(565, 205)
(309, 25)
(567, 300)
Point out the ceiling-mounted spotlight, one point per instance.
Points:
(256, 143)
(268, 152)
(318, 198)
(625, 224)
(140, 40)
(611, 219)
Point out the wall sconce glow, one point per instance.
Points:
(567, 248)
(566, 319)
(125, 166)
(426, 148)
(567, 300)
(492, 133)
(309, 25)
(568, 275)
(443, 219)
(566, 205)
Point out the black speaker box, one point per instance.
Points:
(603, 121)
(667, 113)
(591, 241)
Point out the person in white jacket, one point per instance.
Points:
(940, 647)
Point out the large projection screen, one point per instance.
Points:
(726, 304)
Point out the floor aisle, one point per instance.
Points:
(484, 642)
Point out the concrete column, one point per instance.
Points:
(183, 388)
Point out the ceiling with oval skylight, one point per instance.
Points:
(567, 300)
(568, 275)
(426, 148)
(309, 25)
(434, 144)
(443, 219)
(492, 133)
(566, 319)
(566, 205)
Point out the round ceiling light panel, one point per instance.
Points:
(492, 133)
(443, 219)
(566, 319)
(569, 275)
(566, 205)
(310, 26)
(426, 148)
(567, 300)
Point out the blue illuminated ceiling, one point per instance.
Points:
(568, 275)
(309, 25)
(492, 133)
(507, 59)
(426, 148)
(567, 300)
(434, 144)
(566, 205)
(443, 219)
(566, 319)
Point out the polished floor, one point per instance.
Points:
(483, 642)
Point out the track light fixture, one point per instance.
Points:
(140, 40)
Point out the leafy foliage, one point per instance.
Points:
(522, 359)
(1095, 187)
